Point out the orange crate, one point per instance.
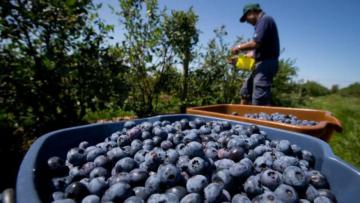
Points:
(323, 130)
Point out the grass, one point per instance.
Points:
(347, 109)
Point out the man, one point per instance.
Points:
(265, 47)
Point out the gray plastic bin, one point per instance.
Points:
(32, 182)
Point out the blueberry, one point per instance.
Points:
(327, 193)
(97, 186)
(252, 186)
(98, 172)
(304, 201)
(163, 198)
(136, 145)
(191, 136)
(138, 177)
(240, 170)
(91, 199)
(129, 124)
(157, 140)
(304, 165)
(322, 199)
(57, 166)
(123, 140)
(213, 192)
(55, 195)
(317, 179)
(178, 138)
(194, 149)
(270, 179)
(178, 191)
(134, 199)
(224, 164)
(115, 154)
(311, 193)
(284, 146)
(183, 162)
(102, 161)
(196, 184)
(152, 184)
(84, 170)
(159, 132)
(64, 201)
(238, 198)
(211, 153)
(146, 126)
(296, 149)
(145, 135)
(77, 191)
(58, 183)
(253, 129)
(295, 177)
(223, 153)
(266, 197)
(184, 123)
(192, 198)
(196, 166)
(119, 177)
(286, 193)
(140, 192)
(199, 122)
(117, 192)
(76, 156)
(236, 154)
(261, 149)
(262, 163)
(205, 130)
(223, 177)
(171, 156)
(148, 144)
(125, 165)
(308, 156)
(284, 162)
(166, 144)
(169, 174)
(134, 133)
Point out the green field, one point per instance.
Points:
(347, 109)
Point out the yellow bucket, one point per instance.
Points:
(245, 63)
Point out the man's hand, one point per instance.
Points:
(244, 47)
(232, 60)
(250, 54)
(235, 50)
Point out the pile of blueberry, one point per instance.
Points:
(282, 118)
(188, 162)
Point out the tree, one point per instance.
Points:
(181, 29)
(334, 89)
(314, 89)
(285, 90)
(148, 52)
(215, 81)
(54, 68)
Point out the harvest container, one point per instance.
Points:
(32, 182)
(323, 130)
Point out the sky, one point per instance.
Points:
(322, 36)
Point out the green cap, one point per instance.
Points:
(247, 8)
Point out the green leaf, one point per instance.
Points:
(70, 2)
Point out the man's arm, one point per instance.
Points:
(245, 47)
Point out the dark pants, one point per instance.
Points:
(257, 87)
